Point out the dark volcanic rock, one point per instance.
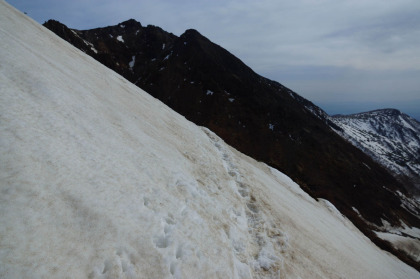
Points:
(259, 117)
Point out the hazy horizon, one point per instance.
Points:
(346, 57)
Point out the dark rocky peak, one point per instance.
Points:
(156, 35)
(387, 112)
(210, 58)
(54, 23)
(390, 111)
(192, 34)
(130, 24)
(60, 29)
(127, 26)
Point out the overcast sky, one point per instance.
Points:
(345, 56)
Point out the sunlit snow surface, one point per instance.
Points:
(100, 180)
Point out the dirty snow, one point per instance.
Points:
(101, 180)
(408, 244)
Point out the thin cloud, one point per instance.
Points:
(319, 48)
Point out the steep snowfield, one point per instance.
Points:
(100, 180)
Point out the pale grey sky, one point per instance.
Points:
(346, 56)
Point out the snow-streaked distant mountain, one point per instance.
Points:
(392, 138)
(101, 180)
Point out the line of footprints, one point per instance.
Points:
(266, 241)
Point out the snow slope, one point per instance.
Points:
(101, 180)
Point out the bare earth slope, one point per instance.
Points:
(101, 180)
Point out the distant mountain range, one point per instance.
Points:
(257, 116)
(390, 137)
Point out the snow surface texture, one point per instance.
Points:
(101, 180)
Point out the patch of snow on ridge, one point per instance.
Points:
(355, 210)
(167, 56)
(120, 38)
(97, 182)
(131, 63)
(92, 47)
